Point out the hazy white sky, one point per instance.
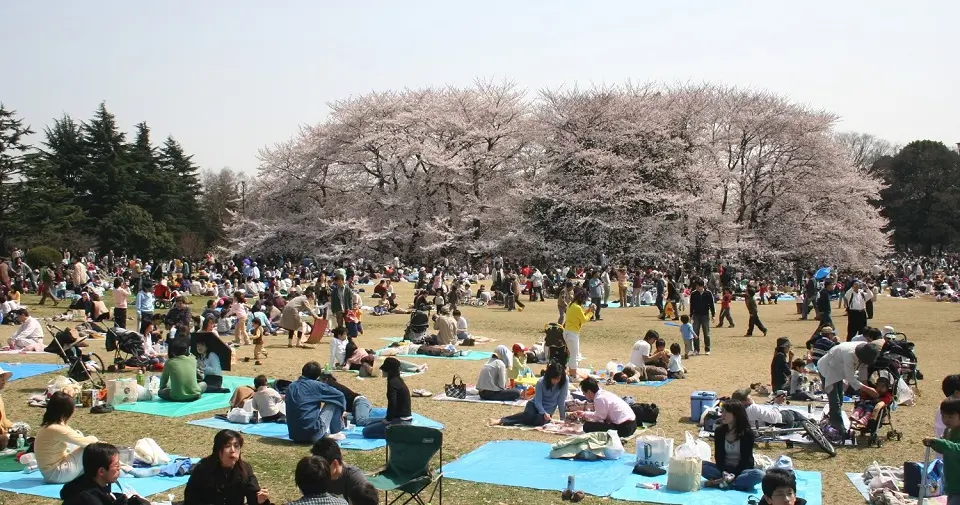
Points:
(228, 77)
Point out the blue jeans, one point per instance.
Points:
(361, 412)
(746, 481)
(379, 429)
(331, 420)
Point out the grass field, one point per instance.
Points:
(735, 362)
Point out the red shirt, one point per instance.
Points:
(725, 301)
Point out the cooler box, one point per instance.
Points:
(700, 401)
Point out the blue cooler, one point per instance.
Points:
(700, 401)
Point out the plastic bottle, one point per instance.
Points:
(141, 378)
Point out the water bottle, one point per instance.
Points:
(141, 378)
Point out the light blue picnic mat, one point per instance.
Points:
(526, 464)
(354, 440)
(467, 356)
(24, 370)
(32, 483)
(653, 384)
(809, 487)
(208, 401)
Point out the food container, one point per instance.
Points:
(126, 455)
(88, 398)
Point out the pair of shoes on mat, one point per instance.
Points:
(422, 393)
(573, 496)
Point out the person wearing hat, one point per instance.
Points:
(780, 366)
(5, 423)
(398, 401)
(341, 299)
(856, 299)
(843, 363)
(29, 336)
(821, 343)
(519, 361)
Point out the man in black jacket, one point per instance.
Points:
(823, 305)
(809, 296)
(702, 311)
(101, 468)
(660, 286)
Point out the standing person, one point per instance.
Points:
(341, 299)
(290, 319)
(564, 299)
(702, 310)
(754, 314)
(843, 363)
(605, 278)
(733, 450)
(673, 297)
(949, 445)
(48, 279)
(824, 308)
(595, 285)
(809, 297)
(725, 301)
(121, 293)
(575, 318)
(856, 298)
(660, 287)
(622, 281)
(145, 306)
(610, 411)
(239, 310)
(517, 289)
(637, 288)
(399, 410)
(536, 281)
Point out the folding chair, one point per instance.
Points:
(408, 471)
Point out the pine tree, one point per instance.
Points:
(12, 149)
(46, 214)
(178, 168)
(106, 181)
(152, 188)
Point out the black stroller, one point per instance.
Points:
(81, 367)
(121, 341)
(901, 349)
(418, 326)
(888, 368)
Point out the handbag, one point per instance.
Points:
(646, 413)
(654, 450)
(456, 389)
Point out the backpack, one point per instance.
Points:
(646, 412)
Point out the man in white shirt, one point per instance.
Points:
(856, 299)
(536, 278)
(610, 412)
(764, 415)
(642, 349)
(267, 401)
(29, 336)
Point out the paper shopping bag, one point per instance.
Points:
(654, 450)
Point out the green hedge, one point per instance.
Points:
(42, 255)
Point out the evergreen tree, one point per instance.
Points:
(178, 168)
(12, 149)
(46, 213)
(152, 188)
(107, 181)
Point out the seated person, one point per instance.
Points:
(178, 314)
(446, 327)
(642, 350)
(398, 402)
(358, 406)
(763, 415)
(314, 408)
(550, 395)
(633, 375)
(5, 423)
(344, 479)
(867, 410)
(360, 359)
(365, 494)
(780, 365)
(797, 379)
(462, 331)
(224, 477)
(733, 452)
(675, 368)
(268, 401)
(58, 447)
(519, 362)
(338, 347)
(178, 382)
(210, 368)
(610, 412)
(83, 303)
(101, 468)
(29, 336)
(98, 309)
(161, 292)
(484, 295)
(492, 382)
(661, 356)
(313, 478)
(780, 488)
(381, 290)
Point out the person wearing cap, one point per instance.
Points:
(856, 299)
(780, 366)
(29, 336)
(519, 361)
(843, 363)
(821, 343)
(764, 415)
(398, 402)
(314, 408)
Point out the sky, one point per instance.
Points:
(227, 78)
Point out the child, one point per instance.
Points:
(267, 401)
(798, 296)
(660, 356)
(674, 368)
(462, 332)
(686, 331)
(725, 308)
(868, 409)
(258, 340)
(338, 348)
(353, 324)
(796, 381)
(949, 446)
(780, 488)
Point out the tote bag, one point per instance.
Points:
(654, 450)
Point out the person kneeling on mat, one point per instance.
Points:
(610, 412)
(492, 382)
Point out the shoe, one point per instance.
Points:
(748, 335)
(718, 326)
(257, 362)
(566, 495)
(337, 436)
(764, 333)
(577, 496)
(732, 326)
(707, 353)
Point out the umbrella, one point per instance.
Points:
(823, 273)
(215, 345)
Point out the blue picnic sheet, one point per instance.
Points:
(25, 370)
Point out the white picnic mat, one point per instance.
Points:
(476, 399)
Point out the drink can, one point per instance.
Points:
(513, 383)
(570, 483)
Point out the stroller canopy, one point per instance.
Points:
(215, 345)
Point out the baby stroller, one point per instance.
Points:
(81, 367)
(899, 347)
(416, 329)
(122, 341)
(557, 350)
(887, 368)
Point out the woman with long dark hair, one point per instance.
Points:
(223, 477)
(733, 451)
(550, 395)
(58, 463)
(398, 401)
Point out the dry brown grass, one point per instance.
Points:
(735, 362)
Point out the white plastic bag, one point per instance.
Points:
(654, 450)
(615, 450)
(239, 416)
(693, 448)
(148, 451)
(783, 463)
(761, 462)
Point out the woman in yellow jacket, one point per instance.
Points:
(573, 322)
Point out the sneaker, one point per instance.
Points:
(337, 436)
(707, 353)
(764, 333)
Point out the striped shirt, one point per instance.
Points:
(821, 347)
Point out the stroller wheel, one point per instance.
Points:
(879, 443)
